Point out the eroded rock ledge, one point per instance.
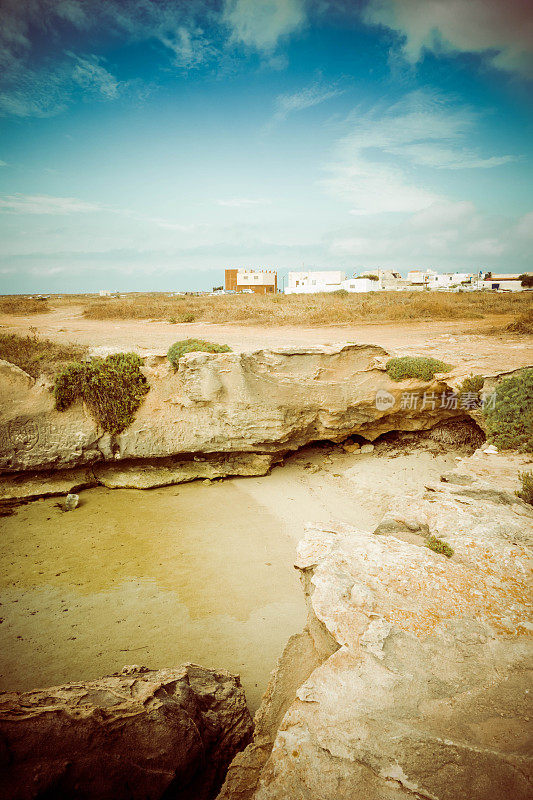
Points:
(413, 677)
(138, 734)
(218, 414)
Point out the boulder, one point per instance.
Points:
(137, 734)
(425, 691)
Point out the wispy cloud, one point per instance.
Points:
(260, 24)
(243, 202)
(373, 164)
(45, 204)
(433, 155)
(500, 30)
(89, 73)
(307, 97)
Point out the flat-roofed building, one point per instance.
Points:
(314, 281)
(251, 280)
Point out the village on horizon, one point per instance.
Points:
(265, 281)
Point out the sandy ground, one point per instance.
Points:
(200, 572)
(194, 572)
(463, 344)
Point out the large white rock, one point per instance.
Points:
(426, 690)
(266, 402)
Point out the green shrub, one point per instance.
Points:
(113, 389)
(526, 492)
(509, 417)
(471, 387)
(415, 367)
(474, 383)
(178, 349)
(172, 320)
(187, 318)
(438, 546)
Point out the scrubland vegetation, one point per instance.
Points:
(523, 323)
(510, 418)
(526, 492)
(317, 309)
(178, 349)
(36, 356)
(21, 306)
(420, 367)
(113, 388)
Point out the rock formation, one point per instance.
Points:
(218, 414)
(416, 675)
(138, 734)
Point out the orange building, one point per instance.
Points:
(245, 280)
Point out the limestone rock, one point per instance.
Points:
(137, 734)
(71, 501)
(367, 448)
(351, 447)
(165, 472)
(427, 690)
(268, 402)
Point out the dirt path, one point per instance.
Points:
(463, 343)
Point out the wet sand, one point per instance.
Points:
(194, 572)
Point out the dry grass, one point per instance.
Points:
(21, 306)
(318, 309)
(38, 356)
(523, 323)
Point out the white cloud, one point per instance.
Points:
(305, 98)
(45, 204)
(501, 30)
(376, 189)
(445, 236)
(524, 226)
(189, 45)
(442, 215)
(486, 248)
(260, 24)
(243, 202)
(73, 12)
(433, 155)
(374, 164)
(89, 73)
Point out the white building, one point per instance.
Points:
(361, 284)
(449, 280)
(105, 293)
(420, 277)
(503, 283)
(314, 281)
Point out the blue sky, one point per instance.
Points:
(149, 145)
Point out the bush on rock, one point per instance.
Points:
(424, 369)
(509, 418)
(178, 349)
(113, 389)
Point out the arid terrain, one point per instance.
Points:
(202, 571)
(465, 342)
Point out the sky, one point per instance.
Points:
(147, 146)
